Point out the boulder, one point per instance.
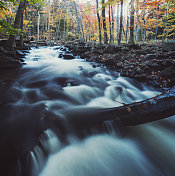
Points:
(168, 72)
(168, 45)
(20, 53)
(66, 56)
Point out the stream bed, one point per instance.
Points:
(37, 140)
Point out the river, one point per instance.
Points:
(37, 140)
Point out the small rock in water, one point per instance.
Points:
(60, 55)
(20, 53)
(66, 56)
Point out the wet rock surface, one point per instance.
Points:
(12, 59)
(151, 63)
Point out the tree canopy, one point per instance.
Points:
(68, 20)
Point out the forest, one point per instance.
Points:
(109, 21)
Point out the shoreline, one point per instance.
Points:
(150, 63)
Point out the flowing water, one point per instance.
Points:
(37, 140)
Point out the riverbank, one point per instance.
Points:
(12, 59)
(150, 63)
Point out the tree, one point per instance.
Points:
(121, 23)
(117, 23)
(131, 38)
(6, 15)
(110, 27)
(104, 23)
(112, 15)
(18, 20)
(99, 22)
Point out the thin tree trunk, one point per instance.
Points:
(112, 15)
(99, 22)
(38, 27)
(104, 22)
(144, 22)
(110, 29)
(137, 20)
(156, 24)
(167, 19)
(121, 23)
(117, 22)
(78, 21)
(131, 39)
(11, 40)
(48, 28)
(127, 25)
(21, 36)
(81, 23)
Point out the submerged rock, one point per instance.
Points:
(67, 56)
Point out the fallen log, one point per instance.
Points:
(152, 109)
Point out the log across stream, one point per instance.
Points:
(74, 118)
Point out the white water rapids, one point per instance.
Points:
(144, 150)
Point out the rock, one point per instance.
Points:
(125, 49)
(42, 43)
(110, 62)
(117, 57)
(173, 62)
(141, 52)
(36, 84)
(10, 59)
(66, 56)
(84, 55)
(151, 56)
(168, 45)
(171, 53)
(134, 46)
(146, 69)
(60, 55)
(56, 48)
(168, 72)
(119, 64)
(63, 49)
(166, 63)
(163, 56)
(111, 49)
(155, 66)
(20, 53)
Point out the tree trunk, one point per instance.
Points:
(110, 29)
(144, 22)
(104, 22)
(112, 15)
(131, 38)
(38, 25)
(99, 23)
(81, 23)
(78, 21)
(127, 25)
(156, 31)
(137, 21)
(156, 108)
(121, 23)
(11, 40)
(48, 28)
(21, 27)
(117, 22)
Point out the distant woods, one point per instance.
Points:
(102, 21)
